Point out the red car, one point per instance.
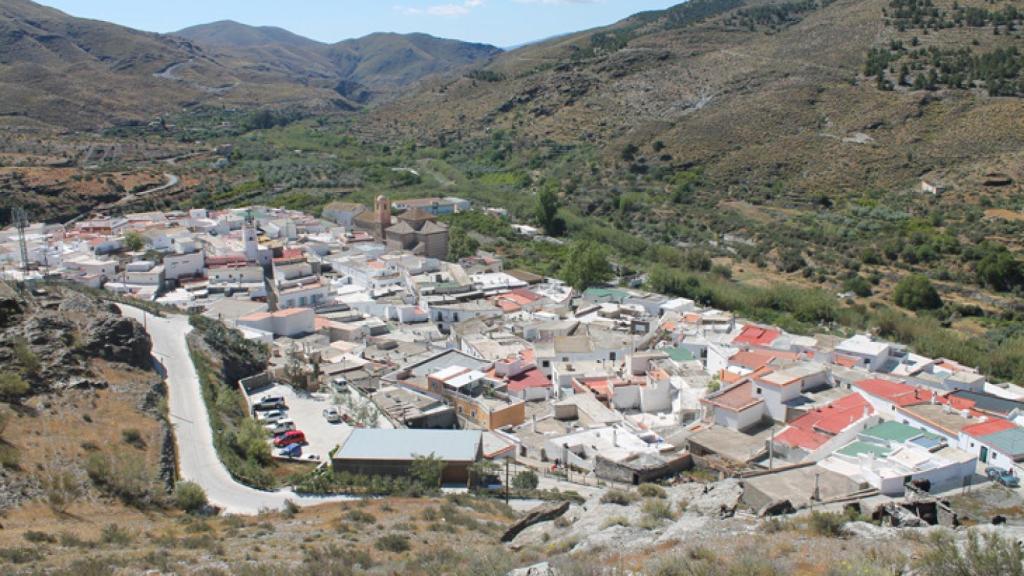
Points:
(290, 437)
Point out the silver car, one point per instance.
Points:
(272, 416)
(332, 415)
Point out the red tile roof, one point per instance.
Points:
(532, 378)
(894, 392)
(816, 427)
(737, 398)
(985, 428)
(753, 335)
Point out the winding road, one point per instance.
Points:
(197, 458)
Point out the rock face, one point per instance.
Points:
(53, 337)
(542, 513)
(119, 339)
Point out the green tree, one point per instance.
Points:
(858, 285)
(250, 442)
(480, 471)
(133, 241)
(427, 470)
(915, 292)
(295, 368)
(525, 480)
(586, 264)
(461, 244)
(999, 270)
(547, 212)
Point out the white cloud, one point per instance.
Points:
(446, 10)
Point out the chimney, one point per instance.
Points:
(533, 424)
(933, 400)
(615, 437)
(865, 412)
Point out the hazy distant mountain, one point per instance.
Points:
(372, 65)
(79, 73)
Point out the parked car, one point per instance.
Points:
(272, 416)
(270, 403)
(332, 415)
(290, 437)
(280, 427)
(291, 451)
(1002, 476)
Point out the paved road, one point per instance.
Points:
(171, 181)
(197, 459)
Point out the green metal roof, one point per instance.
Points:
(858, 447)
(679, 354)
(1009, 442)
(893, 432)
(615, 293)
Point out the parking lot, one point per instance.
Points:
(306, 410)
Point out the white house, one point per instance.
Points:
(869, 353)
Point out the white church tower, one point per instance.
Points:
(252, 245)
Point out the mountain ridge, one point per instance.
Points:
(79, 73)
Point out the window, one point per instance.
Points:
(545, 364)
(759, 391)
(611, 356)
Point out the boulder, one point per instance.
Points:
(543, 513)
(720, 499)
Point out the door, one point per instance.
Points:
(984, 454)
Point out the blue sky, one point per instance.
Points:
(499, 22)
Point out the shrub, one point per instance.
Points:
(393, 543)
(658, 509)
(62, 489)
(291, 508)
(615, 521)
(20, 555)
(114, 534)
(133, 437)
(618, 496)
(986, 554)
(361, 517)
(525, 480)
(827, 523)
(124, 478)
(37, 537)
(189, 496)
(12, 386)
(651, 491)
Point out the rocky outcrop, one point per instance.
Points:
(119, 339)
(55, 335)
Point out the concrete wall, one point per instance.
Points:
(182, 265)
(739, 420)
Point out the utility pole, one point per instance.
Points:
(506, 481)
(771, 449)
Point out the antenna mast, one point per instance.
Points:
(21, 221)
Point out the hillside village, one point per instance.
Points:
(382, 352)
